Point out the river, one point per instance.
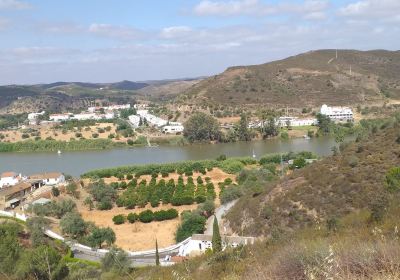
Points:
(77, 163)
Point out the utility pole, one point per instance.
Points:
(336, 54)
(350, 70)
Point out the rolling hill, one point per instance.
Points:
(308, 79)
(63, 96)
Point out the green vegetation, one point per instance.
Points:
(201, 127)
(180, 167)
(192, 222)
(216, 237)
(53, 145)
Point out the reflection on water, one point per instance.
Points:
(76, 163)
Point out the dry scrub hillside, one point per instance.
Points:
(308, 79)
(330, 188)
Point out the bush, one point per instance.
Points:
(119, 219)
(230, 194)
(231, 166)
(393, 179)
(191, 223)
(146, 216)
(132, 217)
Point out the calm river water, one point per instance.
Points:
(76, 163)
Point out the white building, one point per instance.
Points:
(294, 121)
(33, 117)
(85, 116)
(134, 120)
(199, 243)
(9, 179)
(340, 114)
(173, 128)
(60, 117)
(109, 108)
(152, 119)
(50, 178)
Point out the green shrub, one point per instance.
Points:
(146, 216)
(132, 217)
(119, 219)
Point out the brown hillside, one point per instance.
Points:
(330, 188)
(308, 79)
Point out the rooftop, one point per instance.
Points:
(46, 175)
(8, 174)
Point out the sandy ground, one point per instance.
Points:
(140, 236)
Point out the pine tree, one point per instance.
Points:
(216, 238)
(157, 255)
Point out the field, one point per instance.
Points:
(141, 236)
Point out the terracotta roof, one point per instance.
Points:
(14, 189)
(48, 175)
(8, 174)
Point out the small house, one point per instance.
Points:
(50, 178)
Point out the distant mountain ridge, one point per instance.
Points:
(308, 79)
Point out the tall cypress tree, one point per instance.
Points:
(157, 255)
(216, 238)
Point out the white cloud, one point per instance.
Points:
(310, 9)
(13, 5)
(372, 9)
(115, 31)
(175, 32)
(230, 8)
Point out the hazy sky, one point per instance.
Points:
(113, 40)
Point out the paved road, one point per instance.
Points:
(219, 212)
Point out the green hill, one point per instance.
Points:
(308, 79)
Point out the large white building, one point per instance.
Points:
(199, 243)
(173, 127)
(341, 114)
(134, 120)
(293, 121)
(49, 178)
(152, 119)
(110, 108)
(9, 179)
(60, 117)
(33, 118)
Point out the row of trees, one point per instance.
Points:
(139, 194)
(201, 127)
(146, 216)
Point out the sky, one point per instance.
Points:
(43, 41)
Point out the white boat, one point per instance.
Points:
(307, 137)
(254, 155)
(59, 152)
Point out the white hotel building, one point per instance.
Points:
(338, 114)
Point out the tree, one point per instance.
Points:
(99, 236)
(36, 227)
(10, 249)
(73, 225)
(243, 131)
(55, 191)
(191, 223)
(324, 123)
(119, 219)
(157, 255)
(202, 127)
(43, 262)
(115, 261)
(270, 129)
(71, 189)
(216, 238)
(89, 203)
